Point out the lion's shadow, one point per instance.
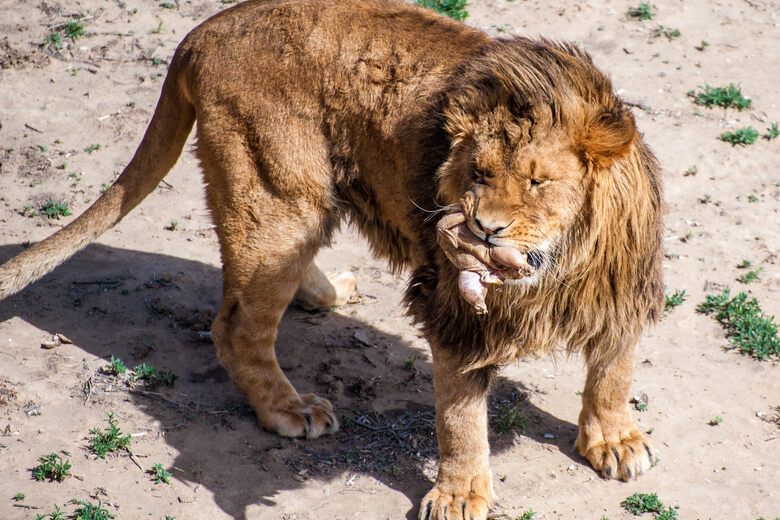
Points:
(145, 307)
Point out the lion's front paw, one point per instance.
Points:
(310, 416)
(624, 459)
(441, 505)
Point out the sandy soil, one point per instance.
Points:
(143, 292)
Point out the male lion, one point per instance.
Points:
(310, 111)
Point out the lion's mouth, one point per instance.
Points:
(535, 259)
(510, 264)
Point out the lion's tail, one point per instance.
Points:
(158, 152)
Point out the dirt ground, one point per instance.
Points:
(145, 290)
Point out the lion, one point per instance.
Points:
(385, 114)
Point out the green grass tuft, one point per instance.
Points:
(750, 276)
(115, 367)
(669, 32)
(51, 467)
(725, 97)
(772, 132)
(667, 514)
(743, 136)
(90, 511)
(749, 329)
(159, 475)
(674, 300)
(154, 377)
(510, 419)
(455, 9)
(54, 210)
(109, 440)
(639, 503)
(641, 12)
(527, 515)
(71, 30)
(57, 514)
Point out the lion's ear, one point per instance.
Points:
(607, 136)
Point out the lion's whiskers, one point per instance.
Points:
(436, 211)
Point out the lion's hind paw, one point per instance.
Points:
(312, 417)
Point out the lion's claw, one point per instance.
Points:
(623, 460)
(310, 417)
(438, 505)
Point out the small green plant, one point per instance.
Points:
(455, 9)
(105, 187)
(641, 12)
(670, 33)
(109, 440)
(51, 467)
(18, 497)
(54, 210)
(715, 420)
(159, 29)
(90, 511)
(676, 299)
(692, 170)
(68, 31)
(168, 5)
(510, 419)
(409, 363)
(154, 377)
(725, 97)
(667, 514)
(173, 226)
(93, 148)
(115, 367)
(743, 136)
(640, 503)
(73, 29)
(772, 132)
(159, 475)
(527, 515)
(744, 264)
(57, 514)
(748, 328)
(29, 211)
(750, 276)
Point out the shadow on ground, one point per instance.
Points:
(148, 308)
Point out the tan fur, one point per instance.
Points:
(310, 111)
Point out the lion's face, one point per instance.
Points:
(530, 178)
(526, 197)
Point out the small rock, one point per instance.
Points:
(362, 338)
(49, 344)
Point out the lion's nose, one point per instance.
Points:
(489, 231)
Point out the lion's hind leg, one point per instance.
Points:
(270, 224)
(608, 437)
(320, 291)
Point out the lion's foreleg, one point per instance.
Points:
(463, 487)
(608, 437)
